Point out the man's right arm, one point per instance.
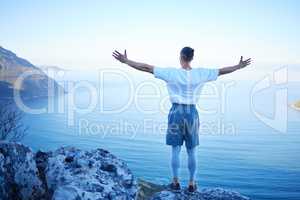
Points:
(140, 66)
(136, 65)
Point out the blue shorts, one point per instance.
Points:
(183, 125)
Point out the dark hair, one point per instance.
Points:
(187, 54)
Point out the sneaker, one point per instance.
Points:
(192, 188)
(175, 186)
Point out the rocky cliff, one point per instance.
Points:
(65, 174)
(69, 173)
(35, 82)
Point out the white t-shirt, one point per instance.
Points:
(184, 86)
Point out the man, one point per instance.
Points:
(184, 86)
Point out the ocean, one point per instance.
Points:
(249, 139)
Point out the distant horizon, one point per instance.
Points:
(255, 72)
(68, 67)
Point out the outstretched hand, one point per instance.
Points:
(244, 63)
(120, 57)
(136, 65)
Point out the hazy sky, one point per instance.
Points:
(84, 33)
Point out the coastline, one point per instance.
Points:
(295, 105)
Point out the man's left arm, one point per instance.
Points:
(230, 69)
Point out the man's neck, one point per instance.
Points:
(186, 66)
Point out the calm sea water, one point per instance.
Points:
(237, 150)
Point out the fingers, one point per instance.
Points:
(120, 57)
(117, 55)
(114, 55)
(247, 62)
(241, 60)
(117, 52)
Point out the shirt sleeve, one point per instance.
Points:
(207, 74)
(162, 73)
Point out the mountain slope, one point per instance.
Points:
(19, 74)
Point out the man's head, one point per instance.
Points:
(186, 55)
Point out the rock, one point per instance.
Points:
(19, 176)
(153, 191)
(147, 189)
(72, 173)
(65, 174)
(41, 159)
(204, 194)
